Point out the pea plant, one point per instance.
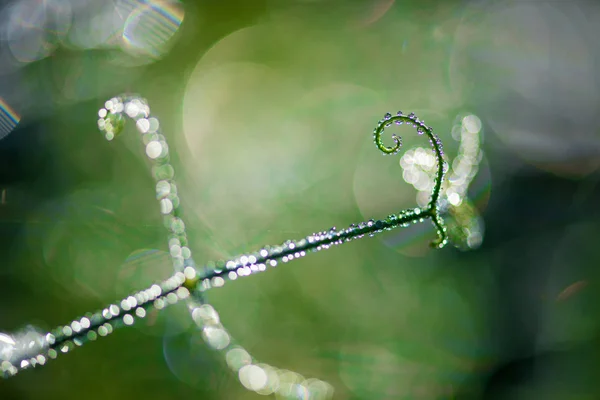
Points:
(189, 281)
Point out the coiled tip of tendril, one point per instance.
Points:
(436, 144)
(110, 118)
(389, 150)
(386, 121)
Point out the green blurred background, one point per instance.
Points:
(269, 106)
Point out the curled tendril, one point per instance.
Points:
(432, 210)
(190, 280)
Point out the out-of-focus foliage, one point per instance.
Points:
(270, 106)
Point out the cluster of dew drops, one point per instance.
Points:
(399, 119)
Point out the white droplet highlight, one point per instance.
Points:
(253, 377)
(166, 206)
(153, 149)
(142, 125)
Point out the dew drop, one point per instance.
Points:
(163, 188)
(154, 149)
(7, 346)
(132, 109)
(177, 225)
(166, 206)
(216, 337)
(162, 172)
(142, 125)
(153, 125)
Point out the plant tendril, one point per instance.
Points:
(190, 281)
(432, 210)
